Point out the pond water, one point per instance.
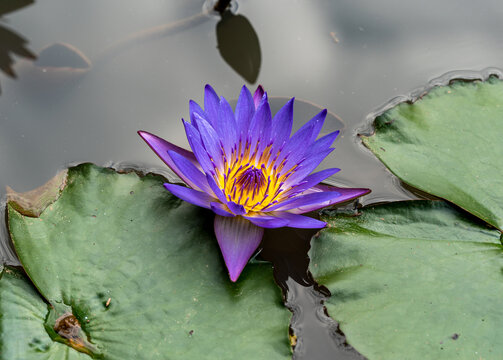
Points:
(130, 65)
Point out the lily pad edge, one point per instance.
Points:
(61, 184)
(368, 129)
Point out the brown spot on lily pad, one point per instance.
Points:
(67, 326)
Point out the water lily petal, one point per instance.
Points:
(306, 167)
(323, 143)
(317, 122)
(192, 196)
(236, 209)
(260, 126)
(314, 125)
(346, 194)
(196, 179)
(245, 109)
(282, 126)
(305, 200)
(162, 147)
(227, 127)
(238, 239)
(258, 95)
(210, 140)
(267, 221)
(195, 144)
(311, 180)
(194, 108)
(211, 105)
(221, 209)
(301, 222)
(215, 189)
(301, 142)
(295, 149)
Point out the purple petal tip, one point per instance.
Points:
(145, 135)
(258, 95)
(238, 239)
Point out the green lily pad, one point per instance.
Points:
(22, 314)
(448, 143)
(413, 280)
(142, 273)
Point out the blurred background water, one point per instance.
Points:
(124, 65)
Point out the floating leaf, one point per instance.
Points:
(448, 143)
(141, 272)
(413, 280)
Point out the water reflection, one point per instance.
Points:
(10, 42)
(63, 63)
(385, 48)
(55, 72)
(239, 46)
(62, 56)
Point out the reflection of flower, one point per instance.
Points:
(246, 168)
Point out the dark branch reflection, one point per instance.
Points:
(239, 45)
(10, 42)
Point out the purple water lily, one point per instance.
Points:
(247, 169)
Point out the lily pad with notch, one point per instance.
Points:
(448, 143)
(141, 272)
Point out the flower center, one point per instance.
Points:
(251, 180)
(247, 186)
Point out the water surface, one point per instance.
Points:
(350, 57)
